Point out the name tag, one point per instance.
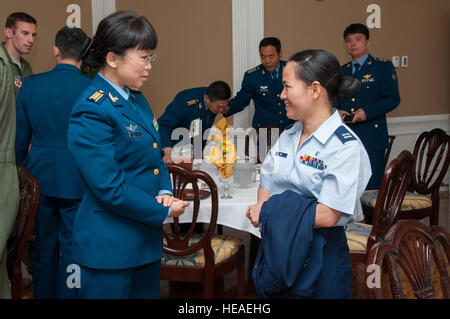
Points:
(281, 154)
(134, 134)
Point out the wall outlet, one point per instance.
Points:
(396, 61)
(404, 61)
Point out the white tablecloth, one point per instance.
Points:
(231, 211)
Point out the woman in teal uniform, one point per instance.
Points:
(113, 137)
(321, 158)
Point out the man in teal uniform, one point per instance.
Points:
(194, 110)
(263, 84)
(20, 34)
(42, 110)
(378, 95)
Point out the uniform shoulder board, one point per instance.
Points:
(381, 60)
(97, 97)
(135, 91)
(344, 135)
(252, 70)
(192, 102)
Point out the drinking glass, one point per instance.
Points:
(226, 182)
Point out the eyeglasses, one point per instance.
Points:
(147, 59)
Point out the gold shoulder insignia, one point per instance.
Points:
(135, 90)
(367, 76)
(97, 97)
(381, 59)
(113, 98)
(191, 102)
(252, 70)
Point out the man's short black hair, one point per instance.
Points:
(15, 17)
(71, 42)
(356, 28)
(218, 91)
(275, 42)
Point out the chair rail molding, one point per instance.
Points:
(100, 9)
(248, 30)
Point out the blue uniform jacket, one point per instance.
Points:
(265, 92)
(378, 95)
(116, 147)
(42, 112)
(187, 106)
(290, 257)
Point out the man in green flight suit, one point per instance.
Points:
(20, 34)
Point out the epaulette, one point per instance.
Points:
(97, 97)
(344, 135)
(381, 60)
(192, 102)
(252, 70)
(135, 91)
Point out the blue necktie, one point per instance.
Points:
(356, 65)
(274, 75)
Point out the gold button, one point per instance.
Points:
(258, 125)
(367, 86)
(352, 110)
(155, 145)
(280, 113)
(353, 99)
(281, 121)
(376, 125)
(279, 104)
(278, 95)
(156, 171)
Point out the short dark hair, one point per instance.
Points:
(356, 28)
(71, 42)
(15, 17)
(275, 42)
(218, 90)
(324, 67)
(117, 33)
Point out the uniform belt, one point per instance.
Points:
(8, 157)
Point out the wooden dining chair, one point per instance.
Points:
(192, 257)
(410, 246)
(396, 178)
(388, 150)
(266, 137)
(23, 226)
(431, 162)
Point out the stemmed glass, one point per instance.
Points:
(226, 182)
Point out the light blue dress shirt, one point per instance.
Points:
(360, 62)
(331, 165)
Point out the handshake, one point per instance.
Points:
(176, 205)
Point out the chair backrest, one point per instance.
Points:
(410, 245)
(388, 151)
(23, 226)
(177, 242)
(392, 191)
(266, 137)
(431, 161)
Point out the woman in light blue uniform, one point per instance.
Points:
(319, 157)
(113, 137)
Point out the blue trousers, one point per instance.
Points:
(132, 283)
(51, 252)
